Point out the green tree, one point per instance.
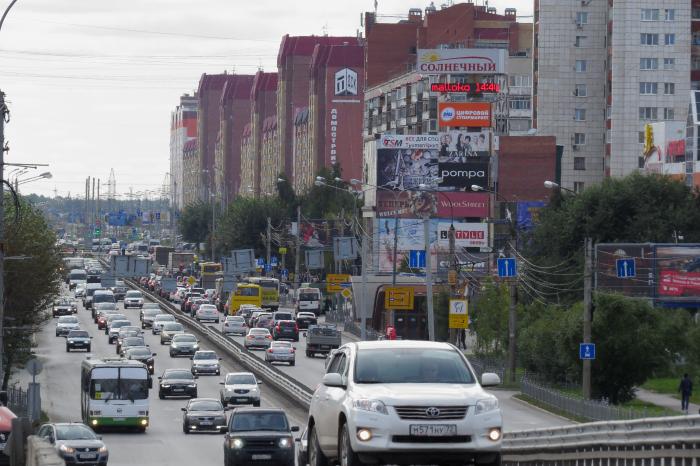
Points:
(489, 316)
(323, 202)
(32, 280)
(195, 222)
(245, 220)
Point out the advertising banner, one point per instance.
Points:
(463, 175)
(467, 235)
(456, 146)
(678, 269)
(461, 61)
(529, 213)
(607, 279)
(468, 114)
(449, 204)
(405, 162)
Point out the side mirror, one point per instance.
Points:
(91, 338)
(191, 358)
(260, 382)
(333, 380)
(183, 409)
(160, 378)
(489, 379)
(99, 437)
(220, 359)
(196, 376)
(154, 354)
(295, 429)
(222, 383)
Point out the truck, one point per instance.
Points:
(162, 254)
(179, 259)
(322, 338)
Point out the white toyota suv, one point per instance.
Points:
(403, 402)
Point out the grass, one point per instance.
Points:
(669, 386)
(550, 409)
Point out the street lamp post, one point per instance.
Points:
(587, 299)
(512, 314)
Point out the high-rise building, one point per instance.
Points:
(183, 128)
(602, 71)
(191, 179)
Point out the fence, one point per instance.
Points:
(17, 401)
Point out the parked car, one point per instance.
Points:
(204, 414)
(78, 339)
(177, 382)
(183, 344)
(234, 325)
(75, 443)
(65, 324)
(281, 351)
(286, 330)
(404, 402)
(207, 312)
(240, 388)
(260, 433)
(257, 338)
(205, 362)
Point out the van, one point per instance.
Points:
(309, 300)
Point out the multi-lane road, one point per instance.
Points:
(164, 443)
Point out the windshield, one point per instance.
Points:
(120, 323)
(103, 298)
(243, 422)
(205, 355)
(74, 432)
(134, 341)
(283, 316)
(134, 294)
(172, 327)
(105, 306)
(184, 339)
(140, 352)
(240, 379)
(78, 276)
(78, 334)
(164, 317)
(247, 291)
(179, 375)
(125, 383)
(151, 306)
(259, 331)
(411, 365)
(67, 320)
(151, 312)
(235, 319)
(206, 406)
(308, 297)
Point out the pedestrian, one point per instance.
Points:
(463, 338)
(686, 389)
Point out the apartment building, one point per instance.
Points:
(602, 71)
(183, 128)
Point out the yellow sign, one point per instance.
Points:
(191, 280)
(334, 281)
(399, 297)
(347, 294)
(459, 313)
(648, 139)
(282, 250)
(452, 277)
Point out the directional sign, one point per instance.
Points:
(284, 274)
(459, 313)
(274, 261)
(586, 351)
(334, 282)
(416, 259)
(399, 297)
(168, 284)
(626, 268)
(507, 267)
(268, 268)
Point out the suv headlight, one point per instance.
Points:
(375, 406)
(235, 443)
(285, 442)
(486, 405)
(67, 449)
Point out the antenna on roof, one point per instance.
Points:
(325, 30)
(376, 5)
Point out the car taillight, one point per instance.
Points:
(270, 350)
(296, 328)
(250, 337)
(269, 337)
(293, 350)
(279, 329)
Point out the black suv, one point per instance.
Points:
(260, 436)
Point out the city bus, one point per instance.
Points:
(270, 290)
(246, 293)
(114, 392)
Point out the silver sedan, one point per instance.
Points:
(281, 351)
(234, 325)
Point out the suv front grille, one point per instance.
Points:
(437, 413)
(418, 439)
(260, 443)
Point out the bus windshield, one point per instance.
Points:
(247, 291)
(112, 383)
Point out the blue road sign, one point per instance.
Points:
(268, 268)
(157, 215)
(273, 261)
(586, 351)
(284, 273)
(506, 267)
(416, 259)
(260, 262)
(626, 268)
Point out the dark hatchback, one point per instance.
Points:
(177, 382)
(260, 436)
(204, 415)
(142, 354)
(286, 330)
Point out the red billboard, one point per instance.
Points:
(678, 269)
(449, 204)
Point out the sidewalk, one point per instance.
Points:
(665, 401)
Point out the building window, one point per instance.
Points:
(669, 88)
(580, 114)
(580, 41)
(648, 64)
(695, 13)
(650, 14)
(578, 186)
(642, 137)
(669, 39)
(669, 63)
(520, 103)
(519, 124)
(579, 139)
(648, 88)
(580, 66)
(579, 163)
(695, 63)
(581, 18)
(519, 80)
(668, 113)
(648, 39)
(669, 14)
(581, 90)
(648, 113)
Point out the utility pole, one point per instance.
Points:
(298, 251)
(512, 325)
(428, 278)
(364, 301)
(97, 207)
(4, 113)
(587, 313)
(453, 266)
(268, 240)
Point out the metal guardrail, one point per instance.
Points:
(292, 388)
(675, 439)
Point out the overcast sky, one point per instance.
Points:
(91, 83)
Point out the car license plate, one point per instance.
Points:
(178, 389)
(241, 400)
(433, 430)
(325, 346)
(88, 456)
(206, 423)
(261, 457)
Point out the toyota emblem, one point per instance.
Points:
(432, 412)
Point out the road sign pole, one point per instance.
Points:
(428, 278)
(364, 301)
(587, 308)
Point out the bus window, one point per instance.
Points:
(246, 291)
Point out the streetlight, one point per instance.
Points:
(587, 299)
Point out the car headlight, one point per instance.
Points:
(71, 341)
(486, 405)
(66, 449)
(285, 442)
(195, 346)
(236, 443)
(165, 385)
(375, 406)
(103, 449)
(192, 385)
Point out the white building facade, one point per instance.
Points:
(183, 128)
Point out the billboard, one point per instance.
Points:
(461, 61)
(464, 114)
(607, 255)
(678, 272)
(529, 213)
(406, 161)
(449, 204)
(457, 146)
(467, 235)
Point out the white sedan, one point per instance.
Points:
(234, 325)
(207, 312)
